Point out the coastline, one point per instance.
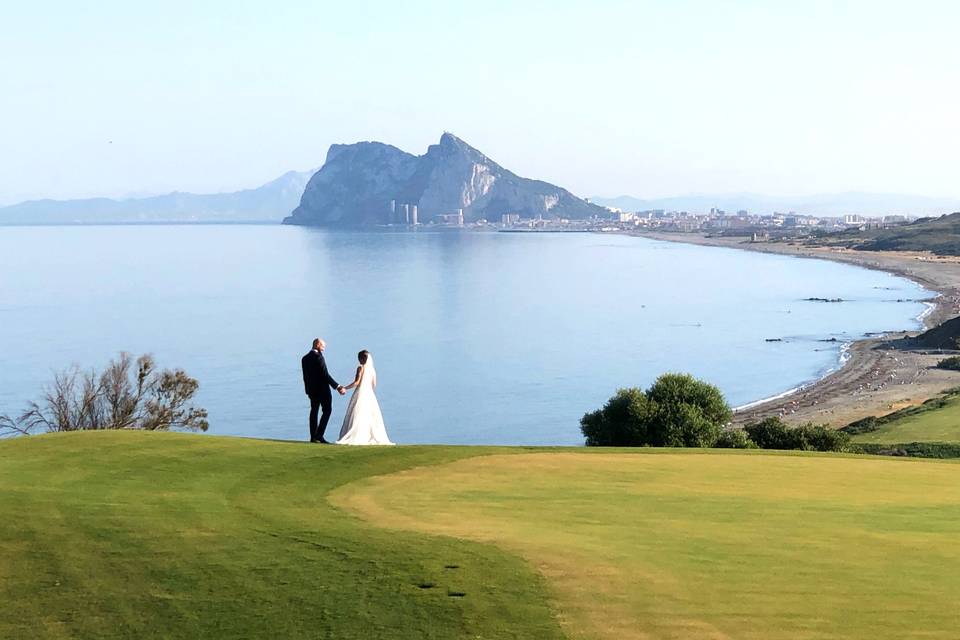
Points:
(879, 375)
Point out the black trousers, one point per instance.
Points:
(317, 402)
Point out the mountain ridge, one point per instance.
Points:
(268, 202)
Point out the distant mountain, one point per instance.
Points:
(836, 204)
(269, 202)
(358, 182)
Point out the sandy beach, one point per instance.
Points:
(880, 375)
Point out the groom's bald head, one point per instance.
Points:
(319, 344)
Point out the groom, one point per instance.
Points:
(317, 383)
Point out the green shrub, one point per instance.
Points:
(942, 450)
(734, 439)
(685, 412)
(770, 433)
(952, 363)
(676, 411)
(820, 437)
(773, 433)
(620, 423)
(864, 425)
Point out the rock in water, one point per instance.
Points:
(358, 183)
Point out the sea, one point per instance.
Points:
(478, 337)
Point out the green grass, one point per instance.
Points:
(672, 544)
(937, 425)
(140, 535)
(143, 535)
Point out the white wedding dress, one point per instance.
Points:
(363, 423)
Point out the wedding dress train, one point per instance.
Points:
(363, 423)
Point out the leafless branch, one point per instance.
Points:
(127, 395)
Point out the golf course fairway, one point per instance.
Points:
(143, 535)
(667, 544)
(156, 535)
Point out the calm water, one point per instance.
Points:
(478, 338)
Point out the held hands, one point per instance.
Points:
(341, 390)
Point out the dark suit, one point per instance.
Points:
(317, 383)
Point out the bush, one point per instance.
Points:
(686, 412)
(941, 450)
(773, 433)
(734, 439)
(863, 425)
(820, 437)
(620, 423)
(129, 394)
(676, 411)
(952, 363)
(769, 434)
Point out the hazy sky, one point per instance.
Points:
(603, 97)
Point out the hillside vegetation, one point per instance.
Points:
(944, 336)
(935, 421)
(936, 235)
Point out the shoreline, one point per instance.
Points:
(879, 375)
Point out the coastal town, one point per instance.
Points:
(759, 227)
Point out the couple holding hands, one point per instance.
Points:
(363, 422)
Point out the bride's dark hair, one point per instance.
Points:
(362, 356)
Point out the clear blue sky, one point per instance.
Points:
(604, 97)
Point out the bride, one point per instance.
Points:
(363, 423)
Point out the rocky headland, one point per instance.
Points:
(371, 183)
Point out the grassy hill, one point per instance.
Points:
(937, 235)
(165, 535)
(941, 424)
